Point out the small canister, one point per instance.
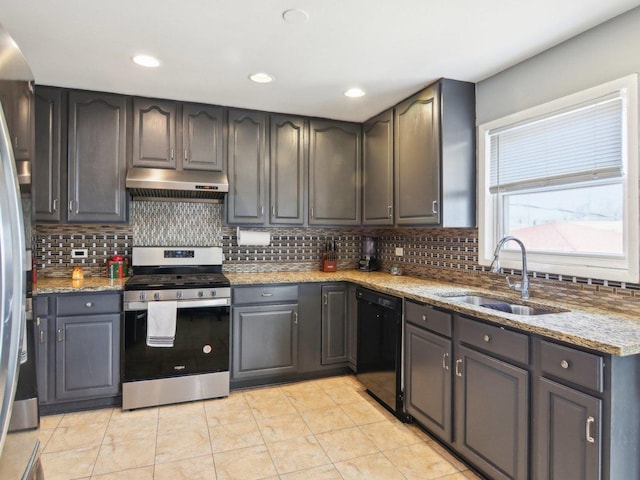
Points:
(117, 267)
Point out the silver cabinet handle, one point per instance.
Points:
(486, 338)
(88, 304)
(42, 337)
(458, 371)
(390, 210)
(186, 154)
(444, 361)
(434, 206)
(71, 205)
(267, 294)
(273, 210)
(59, 332)
(590, 421)
(15, 142)
(295, 318)
(564, 364)
(55, 205)
(424, 318)
(311, 212)
(325, 298)
(261, 210)
(171, 153)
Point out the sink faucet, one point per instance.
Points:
(522, 287)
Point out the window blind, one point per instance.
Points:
(578, 144)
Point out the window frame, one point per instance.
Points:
(625, 269)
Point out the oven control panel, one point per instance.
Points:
(136, 299)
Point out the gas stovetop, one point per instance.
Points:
(165, 281)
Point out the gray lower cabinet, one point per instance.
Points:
(246, 200)
(334, 173)
(335, 347)
(264, 332)
(434, 156)
(377, 170)
(265, 341)
(492, 414)
(97, 158)
(287, 169)
(569, 435)
(50, 154)
(78, 350)
(428, 392)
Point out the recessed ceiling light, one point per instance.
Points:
(146, 61)
(261, 77)
(354, 92)
(295, 16)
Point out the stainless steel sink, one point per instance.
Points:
(501, 305)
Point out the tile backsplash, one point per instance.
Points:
(442, 254)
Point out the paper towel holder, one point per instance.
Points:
(252, 237)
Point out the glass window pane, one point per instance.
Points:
(586, 219)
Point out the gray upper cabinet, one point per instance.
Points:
(334, 173)
(434, 155)
(154, 133)
(246, 167)
(288, 161)
(417, 158)
(334, 324)
(19, 114)
(377, 170)
(96, 159)
(202, 137)
(50, 152)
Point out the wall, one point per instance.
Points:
(606, 52)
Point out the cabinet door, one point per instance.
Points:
(87, 356)
(246, 163)
(154, 133)
(377, 170)
(334, 173)
(428, 380)
(41, 335)
(334, 324)
(352, 327)
(23, 123)
(202, 137)
(288, 160)
(569, 434)
(97, 163)
(492, 414)
(417, 159)
(265, 341)
(49, 152)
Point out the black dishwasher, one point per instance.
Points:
(380, 347)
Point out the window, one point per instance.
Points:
(563, 178)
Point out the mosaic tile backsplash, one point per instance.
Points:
(442, 254)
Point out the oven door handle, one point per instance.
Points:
(200, 303)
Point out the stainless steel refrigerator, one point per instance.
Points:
(18, 450)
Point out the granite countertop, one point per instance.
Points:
(616, 334)
(599, 330)
(48, 285)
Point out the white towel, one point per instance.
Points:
(161, 323)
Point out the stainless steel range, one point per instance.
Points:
(176, 327)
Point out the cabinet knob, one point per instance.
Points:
(88, 304)
(424, 318)
(486, 338)
(564, 364)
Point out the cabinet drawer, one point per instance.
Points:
(425, 316)
(493, 339)
(87, 304)
(580, 368)
(265, 294)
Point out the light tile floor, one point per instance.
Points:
(316, 430)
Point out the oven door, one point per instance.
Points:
(201, 344)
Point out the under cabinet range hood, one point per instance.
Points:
(176, 185)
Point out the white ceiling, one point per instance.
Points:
(208, 48)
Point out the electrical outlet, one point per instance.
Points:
(79, 253)
(399, 251)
